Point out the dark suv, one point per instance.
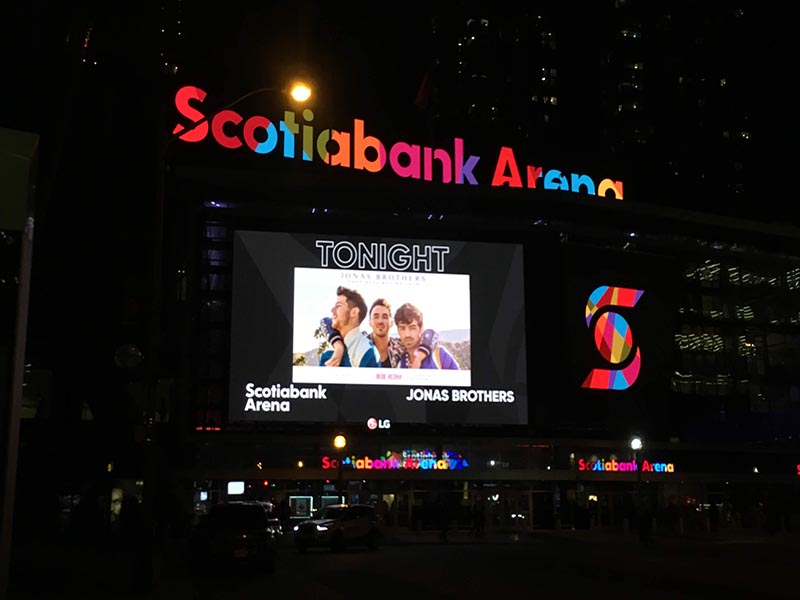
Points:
(339, 526)
(235, 533)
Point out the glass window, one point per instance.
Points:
(215, 232)
(208, 368)
(213, 340)
(706, 274)
(214, 282)
(215, 257)
(213, 310)
(712, 307)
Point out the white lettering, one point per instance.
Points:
(267, 406)
(380, 256)
(428, 395)
(483, 396)
(278, 391)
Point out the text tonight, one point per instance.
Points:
(380, 256)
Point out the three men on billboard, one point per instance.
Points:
(414, 349)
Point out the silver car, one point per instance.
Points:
(339, 526)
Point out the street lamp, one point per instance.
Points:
(340, 443)
(636, 445)
(300, 92)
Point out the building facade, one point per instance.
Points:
(559, 110)
(713, 396)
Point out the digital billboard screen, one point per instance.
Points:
(619, 310)
(328, 328)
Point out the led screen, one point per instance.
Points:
(619, 313)
(330, 328)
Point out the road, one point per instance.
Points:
(500, 567)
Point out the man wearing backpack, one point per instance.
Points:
(422, 348)
(354, 350)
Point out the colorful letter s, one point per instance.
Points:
(186, 94)
(613, 338)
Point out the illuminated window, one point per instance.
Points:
(215, 282)
(712, 307)
(707, 274)
(214, 257)
(746, 347)
(793, 278)
(215, 233)
(704, 342)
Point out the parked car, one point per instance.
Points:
(275, 524)
(273, 518)
(234, 533)
(339, 526)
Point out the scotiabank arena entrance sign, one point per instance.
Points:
(330, 328)
(296, 137)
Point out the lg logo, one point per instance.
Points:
(613, 337)
(373, 423)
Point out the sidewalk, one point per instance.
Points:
(747, 560)
(726, 536)
(403, 536)
(742, 562)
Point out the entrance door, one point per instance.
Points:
(506, 509)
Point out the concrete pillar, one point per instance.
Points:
(530, 510)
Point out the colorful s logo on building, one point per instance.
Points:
(613, 338)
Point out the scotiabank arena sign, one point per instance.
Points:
(422, 460)
(601, 464)
(297, 137)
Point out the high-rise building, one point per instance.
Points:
(672, 95)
